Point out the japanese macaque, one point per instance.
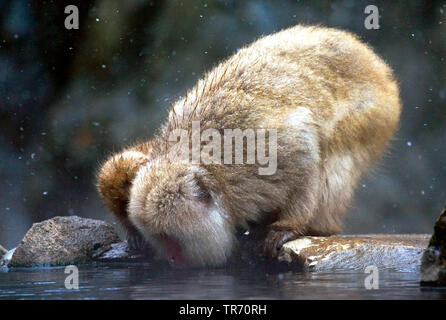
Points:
(333, 105)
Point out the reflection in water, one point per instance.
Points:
(147, 281)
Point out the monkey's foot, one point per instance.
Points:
(274, 241)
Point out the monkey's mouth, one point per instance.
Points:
(174, 251)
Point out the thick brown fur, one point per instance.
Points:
(335, 105)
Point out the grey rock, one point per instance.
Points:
(2, 251)
(433, 265)
(120, 252)
(73, 240)
(117, 251)
(397, 252)
(4, 261)
(63, 241)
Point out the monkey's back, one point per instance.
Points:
(349, 91)
(333, 101)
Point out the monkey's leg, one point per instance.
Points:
(318, 211)
(293, 220)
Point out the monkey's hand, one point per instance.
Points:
(135, 240)
(275, 239)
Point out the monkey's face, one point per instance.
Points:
(178, 217)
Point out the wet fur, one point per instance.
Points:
(335, 105)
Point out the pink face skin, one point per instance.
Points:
(174, 251)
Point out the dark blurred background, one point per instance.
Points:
(70, 97)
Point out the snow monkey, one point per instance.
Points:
(333, 105)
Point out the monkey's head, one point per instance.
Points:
(178, 216)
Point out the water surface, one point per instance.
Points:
(148, 281)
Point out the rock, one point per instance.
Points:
(4, 261)
(62, 241)
(2, 251)
(433, 264)
(121, 252)
(398, 252)
(74, 240)
(117, 251)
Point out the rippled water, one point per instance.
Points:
(147, 281)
